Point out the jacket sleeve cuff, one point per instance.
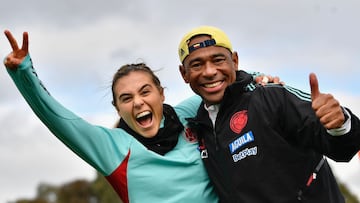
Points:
(345, 128)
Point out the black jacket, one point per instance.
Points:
(267, 144)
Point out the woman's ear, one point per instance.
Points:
(114, 104)
(162, 94)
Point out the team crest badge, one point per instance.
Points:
(238, 121)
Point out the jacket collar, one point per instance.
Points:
(233, 91)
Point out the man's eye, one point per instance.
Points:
(196, 66)
(219, 60)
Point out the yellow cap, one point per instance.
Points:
(218, 38)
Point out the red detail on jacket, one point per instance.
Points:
(118, 180)
(190, 135)
(238, 121)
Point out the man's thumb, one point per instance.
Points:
(314, 86)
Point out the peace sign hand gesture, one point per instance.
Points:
(14, 59)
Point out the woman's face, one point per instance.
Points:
(139, 102)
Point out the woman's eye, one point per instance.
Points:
(125, 99)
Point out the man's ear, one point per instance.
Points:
(183, 73)
(235, 59)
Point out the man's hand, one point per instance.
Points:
(326, 107)
(265, 79)
(14, 59)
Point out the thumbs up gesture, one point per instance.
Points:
(326, 107)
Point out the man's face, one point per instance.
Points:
(209, 70)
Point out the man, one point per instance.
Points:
(263, 144)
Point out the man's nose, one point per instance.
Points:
(209, 69)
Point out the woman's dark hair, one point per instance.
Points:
(128, 68)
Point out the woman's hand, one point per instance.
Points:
(14, 59)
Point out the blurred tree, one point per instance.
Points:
(104, 191)
(100, 191)
(78, 191)
(349, 197)
(47, 192)
(32, 201)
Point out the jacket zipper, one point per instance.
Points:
(216, 139)
(312, 177)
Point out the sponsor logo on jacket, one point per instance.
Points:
(245, 153)
(241, 141)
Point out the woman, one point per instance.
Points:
(149, 158)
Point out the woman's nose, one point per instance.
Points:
(138, 102)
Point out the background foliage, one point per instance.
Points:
(100, 191)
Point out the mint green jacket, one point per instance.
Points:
(136, 173)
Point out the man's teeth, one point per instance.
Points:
(142, 114)
(213, 84)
